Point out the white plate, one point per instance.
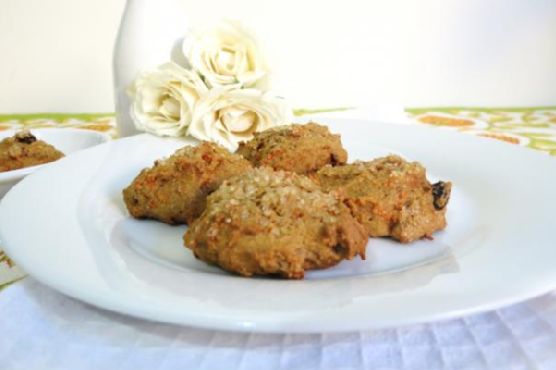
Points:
(67, 226)
(66, 140)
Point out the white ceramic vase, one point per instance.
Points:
(150, 31)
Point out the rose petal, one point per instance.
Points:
(228, 116)
(226, 55)
(165, 98)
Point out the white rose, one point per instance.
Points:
(164, 99)
(228, 116)
(226, 55)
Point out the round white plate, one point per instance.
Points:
(67, 226)
(66, 140)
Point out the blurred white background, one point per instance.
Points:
(56, 54)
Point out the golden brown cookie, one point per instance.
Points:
(298, 148)
(174, 190)
(390, 197)
(267, 222)
(24, 150)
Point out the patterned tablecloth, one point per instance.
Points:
(521, 336)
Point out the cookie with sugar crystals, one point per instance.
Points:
(267, 222)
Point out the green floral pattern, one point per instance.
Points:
(103, 122)
(531, 127)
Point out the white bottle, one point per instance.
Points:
(149, 32)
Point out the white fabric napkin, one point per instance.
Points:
(42, 329)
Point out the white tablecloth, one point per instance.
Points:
(42, 329)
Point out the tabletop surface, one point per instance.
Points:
(521, 336)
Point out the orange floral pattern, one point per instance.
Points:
(531, 127)
(445, 121)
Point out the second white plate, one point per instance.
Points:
(67, 140)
